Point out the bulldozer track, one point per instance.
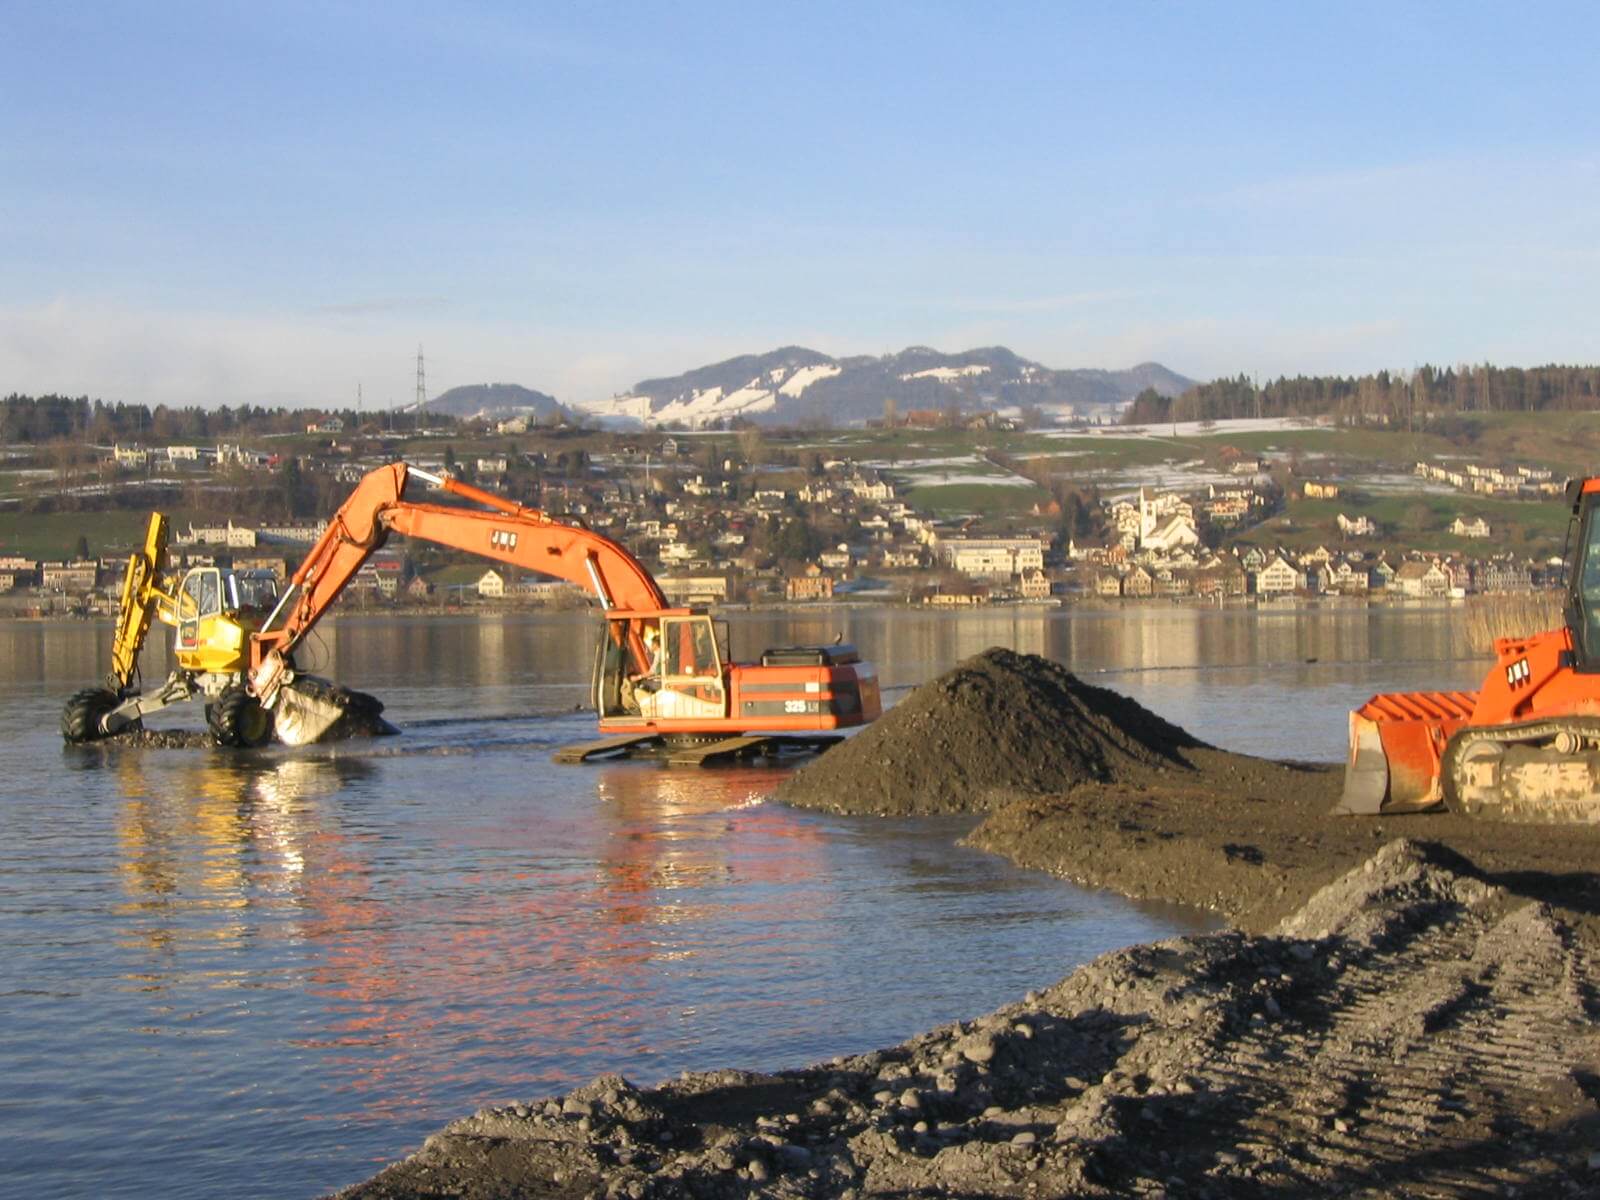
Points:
(1470, 1012)
(1461, 796)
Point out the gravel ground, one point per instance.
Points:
(1403, 1007)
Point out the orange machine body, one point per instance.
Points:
(695, 688)
(1398, 739)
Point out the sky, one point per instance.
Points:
(278, 203)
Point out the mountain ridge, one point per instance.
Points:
(795, 385)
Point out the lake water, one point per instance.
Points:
(266, 975)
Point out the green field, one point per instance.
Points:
(55, 535)
(958, 499)
(1421, 521)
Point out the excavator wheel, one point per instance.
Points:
(238, 720)
(80, 719)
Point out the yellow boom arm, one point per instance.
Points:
(141, 596)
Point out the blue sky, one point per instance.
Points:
(271, 203)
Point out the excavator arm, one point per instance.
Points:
(502, 530)
(139, 604)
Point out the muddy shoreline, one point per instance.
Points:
(1403, 1006)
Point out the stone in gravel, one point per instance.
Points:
(979, 1048)
(794, 1158)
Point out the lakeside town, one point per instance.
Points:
(747, 519)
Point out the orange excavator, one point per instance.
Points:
(662, 680)
(1526, 745)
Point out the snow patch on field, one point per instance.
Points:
(962, 470)
(946, 374)
(948, 480)
(1164, 429)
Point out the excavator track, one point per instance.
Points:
(1535, 772)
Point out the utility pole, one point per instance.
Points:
(422, 386)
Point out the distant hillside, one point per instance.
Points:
(497, 402)
(796, 386)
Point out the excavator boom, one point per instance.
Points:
(140, 600)
(509, 532)
(693, 693)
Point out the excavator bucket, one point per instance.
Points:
(303, 715)
(1396, 739)
(310, 709)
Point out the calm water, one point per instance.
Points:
(266, 975)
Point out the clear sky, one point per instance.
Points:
(274, 202)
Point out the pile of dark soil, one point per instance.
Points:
(998, 724)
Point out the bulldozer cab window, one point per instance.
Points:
(610, 670)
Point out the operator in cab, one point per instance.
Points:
(636, 687)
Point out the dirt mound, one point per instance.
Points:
(998, 723)
(1412, 1030)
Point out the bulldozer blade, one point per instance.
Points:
(1366, 775)
(1396, 740)
(303, 715)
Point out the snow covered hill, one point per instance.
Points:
(797, 386)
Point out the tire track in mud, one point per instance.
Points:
(1445, 1026)
(1411, 1030)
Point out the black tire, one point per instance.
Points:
(80, 719)
(238, 720)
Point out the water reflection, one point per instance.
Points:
(214, 832)
(264, 974)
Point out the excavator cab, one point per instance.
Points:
(691, 670)
(217, 610)
(661, 666)
(1583, 576)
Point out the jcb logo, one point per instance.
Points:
(502, 539)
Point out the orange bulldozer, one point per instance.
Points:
(1526, 745)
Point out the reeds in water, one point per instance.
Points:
(1486, 618)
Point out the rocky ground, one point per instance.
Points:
(1404, 1006)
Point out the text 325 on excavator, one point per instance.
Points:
(1526, 745)
(695, 704)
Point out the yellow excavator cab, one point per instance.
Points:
(217, 610)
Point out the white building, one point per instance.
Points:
(991, 558)
(1277, 578)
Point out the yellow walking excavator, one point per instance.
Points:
(215, 612)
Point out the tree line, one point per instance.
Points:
(1386, 397)
(35, 420)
